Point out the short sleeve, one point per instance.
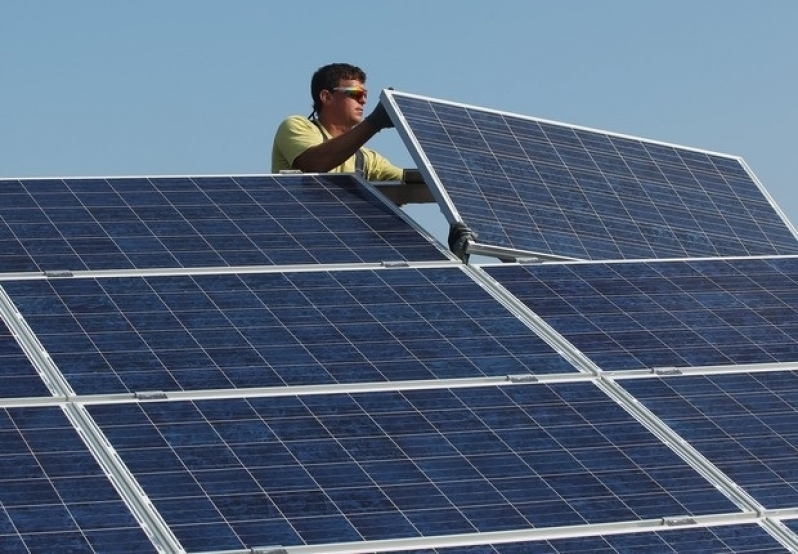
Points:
(294, 135)
(378, 168)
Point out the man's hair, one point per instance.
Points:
(327, 78)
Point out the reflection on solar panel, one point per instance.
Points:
(375, 466)
(274, 329)
(54, 496)
(744, 423)
(549, 188)
(629, 315)
(124, 223)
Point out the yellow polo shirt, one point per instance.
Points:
(297, 133)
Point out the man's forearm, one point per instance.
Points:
(335, 151)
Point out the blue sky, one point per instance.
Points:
(165, 87)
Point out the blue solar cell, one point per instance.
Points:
(54, 495)
(551, 188)
(349, 467)
(663, 314)
(123, 223)
(228, 331)
(743, 423)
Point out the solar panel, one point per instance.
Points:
(54, 497)
(553, 189)
(743, 423)
(188, 222)
(239, 473)
(182, 332)
(657, 314)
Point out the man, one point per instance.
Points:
(332, 138)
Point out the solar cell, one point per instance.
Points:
(238, 473)
(632, 315)
(54, 497)
(153, 222)
(544, 187)
(745, 424)
(185, 332)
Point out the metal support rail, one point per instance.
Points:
(504, 537)
(32, 348)
(138, 502)
(87, 429)
(559, 343)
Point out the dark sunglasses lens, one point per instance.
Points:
(355, 94)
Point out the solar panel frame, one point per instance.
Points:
(550, 177)
(726, 538)
(19, 376)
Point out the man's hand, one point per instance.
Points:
(379, 118)
(459, 237)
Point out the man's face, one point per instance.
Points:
(347, 101)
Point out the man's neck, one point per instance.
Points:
(334, 128)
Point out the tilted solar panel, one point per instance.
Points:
(543, 187)
(658, 314)
(128, 334)
(318, 469)
(161, 222)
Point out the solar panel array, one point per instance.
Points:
(286, 363)
(541, 187)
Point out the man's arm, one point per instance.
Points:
(335, 151)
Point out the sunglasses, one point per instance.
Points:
(355, 92)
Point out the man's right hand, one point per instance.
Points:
(379, 118)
